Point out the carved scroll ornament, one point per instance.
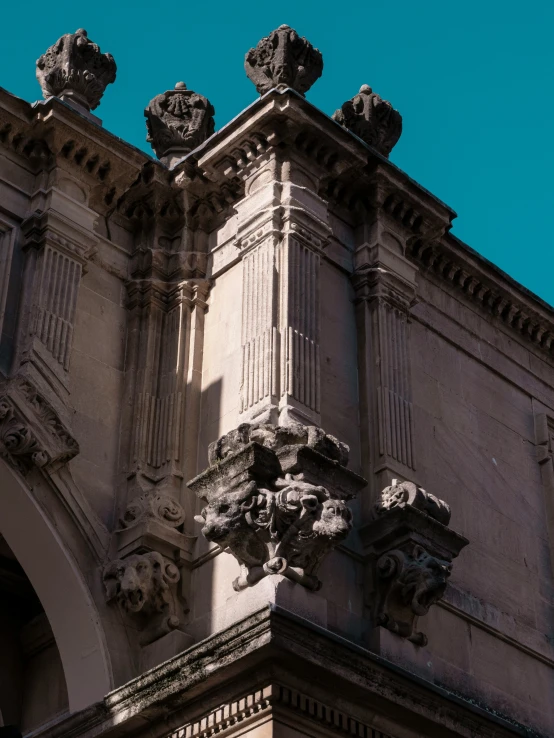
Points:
(410, 557)
(266, 505)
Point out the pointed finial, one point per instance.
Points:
(74, 68)
(178, 121)
(283, 59)
(372, 119)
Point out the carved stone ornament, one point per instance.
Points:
(400, 494)
(153, 505)
(372, 119)
(31, 433)
(178, 121)
(277, 500)
(283, 59)
(145, 586)
(410, 557)
(19, 446)
(75, 68)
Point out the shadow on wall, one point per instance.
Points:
(62, 592)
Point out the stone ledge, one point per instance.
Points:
(163, 699)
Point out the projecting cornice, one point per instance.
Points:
(51, 132)
(363, 684)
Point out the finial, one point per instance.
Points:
(283, 59)
(372, 119)
(178, 121)
(75, 69)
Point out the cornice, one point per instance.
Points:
(465, 272)
(303, 650)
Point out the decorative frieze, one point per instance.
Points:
(145, 586)
(275, 696)
(283, 59)
(277, 500)
(372, 119)
(74, 68)
(410, 553)
(178, 121)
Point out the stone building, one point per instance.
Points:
(184, 551)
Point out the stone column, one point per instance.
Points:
(283, 230)
(384, 281)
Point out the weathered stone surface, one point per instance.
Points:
(283, 59)
(274, 521)
(372, 119)
(400, 494)
(75, 68)
(144, 585)
(178, 121)
(410, 553)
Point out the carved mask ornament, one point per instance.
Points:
(271, 520)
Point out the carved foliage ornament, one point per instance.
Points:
(178, 120)
(283, 59)
(144, 585)
(275, 521)
(372, 119)
(74, 66)
(18, 444)
(411, 556)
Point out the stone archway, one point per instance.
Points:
(61, 589)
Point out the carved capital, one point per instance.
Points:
(276, 499)
(283, 59)
(74, 68)
(145, 587)
(178, 121)
(372, 119)
(31, 432)
(410, 554)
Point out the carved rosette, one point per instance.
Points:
(75, 68)
(372, 119)
(283, 59)
(178, 121)
(276, 499)
(410, 553)
(145, 587)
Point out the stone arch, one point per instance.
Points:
(60, 586)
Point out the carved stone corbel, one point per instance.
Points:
(145, 587)
(410, 551)
(277, 500)
(31, 432)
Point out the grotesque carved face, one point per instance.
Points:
(225, 517)
(424, 580)
(335, 520)
(141, 581)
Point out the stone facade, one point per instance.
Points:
(183, 549)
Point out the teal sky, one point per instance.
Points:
(473, 81)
